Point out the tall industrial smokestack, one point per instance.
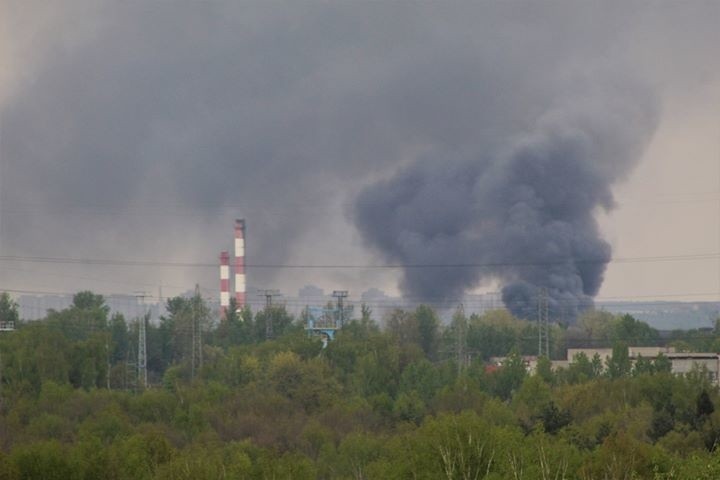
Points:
(240, 284)
(224, 283)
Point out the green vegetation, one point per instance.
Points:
(375, 404)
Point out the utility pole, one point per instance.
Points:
(543, 323)
(340, 295)
(269, 294)
(142, 346)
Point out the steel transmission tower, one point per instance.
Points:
(460, 326)
(543, 323)
(197, 357)
(131, 378)
(142, 347)
(269, 294)
(142, 353)
(5, 326)
(340, 295)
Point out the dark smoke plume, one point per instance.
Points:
(521, 214)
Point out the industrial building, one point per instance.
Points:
(681, 363)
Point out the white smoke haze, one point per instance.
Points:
(345, 133)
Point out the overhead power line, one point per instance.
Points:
(189, 264)
(204, 208)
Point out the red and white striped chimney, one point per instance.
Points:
(224, 283)
(240, 263)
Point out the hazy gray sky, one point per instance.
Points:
(140, 130)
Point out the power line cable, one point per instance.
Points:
(188, 264)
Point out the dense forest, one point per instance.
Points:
(414, 399)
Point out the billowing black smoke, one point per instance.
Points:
(522, 214)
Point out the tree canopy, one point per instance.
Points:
(385, 399)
